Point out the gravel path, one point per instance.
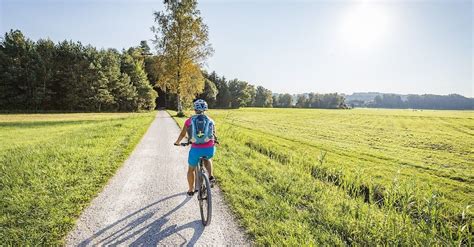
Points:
(145, 203)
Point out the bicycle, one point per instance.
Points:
(203, 186)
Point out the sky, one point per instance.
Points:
(289, 46)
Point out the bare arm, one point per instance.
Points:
(181, 135)
(215, 134)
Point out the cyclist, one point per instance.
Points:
(197, 151)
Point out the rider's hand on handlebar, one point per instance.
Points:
(183, 144)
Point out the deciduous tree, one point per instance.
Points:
(263, 97)
(210, 93)
(285, 100)
(240, 92)
(181, 39)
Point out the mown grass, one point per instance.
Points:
(362, 177)
(52, 165)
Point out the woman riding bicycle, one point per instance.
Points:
(202, 133)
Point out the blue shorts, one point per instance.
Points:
(196, 153)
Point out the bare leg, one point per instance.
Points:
(208, 165)
(191, 178)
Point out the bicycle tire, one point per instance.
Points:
(205, 200)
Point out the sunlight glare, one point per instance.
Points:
(365, 25)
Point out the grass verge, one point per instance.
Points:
(361, 177)
(52, 165)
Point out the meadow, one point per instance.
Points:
(52, 165)
(348, 177)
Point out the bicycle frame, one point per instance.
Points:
(203, 187)
(198, 173)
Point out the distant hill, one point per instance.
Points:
(368, 96)
(415, 101)
(376, 100)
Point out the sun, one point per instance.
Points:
(365, 25)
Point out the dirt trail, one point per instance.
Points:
(145, 202)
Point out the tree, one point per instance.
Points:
(252, 92)
(263, 97)
(210, 92)
(101, 95)
(153, 69)
(135, 70)
(181, 38)
(301, 101)
(72, 73)
(223, 97)
(285, 100)
(125, 93)
(18, 78)
(276, 101)
(146, 51)
(46, 52)
(314, 101)
(240, 92)
(389, 101)
(69, 77)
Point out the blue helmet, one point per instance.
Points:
(200, 105)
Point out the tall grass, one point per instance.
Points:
(52, 165)
(296, 183)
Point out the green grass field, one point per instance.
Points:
(362, 176)
(52, 165)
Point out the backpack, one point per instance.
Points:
(201, 129)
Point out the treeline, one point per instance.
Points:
(325, 101)
(309, 100)
(426, 101)
(222, 93)
(68, 76)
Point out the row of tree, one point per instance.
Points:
(235, 93)
(426, 101)
(222, 93)
(325, 101)
(68, 76)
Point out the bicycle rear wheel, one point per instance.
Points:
(205, 200)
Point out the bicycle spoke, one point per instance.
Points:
(205, 200)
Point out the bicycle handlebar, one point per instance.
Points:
(184, 144)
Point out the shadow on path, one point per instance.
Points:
(143, 227)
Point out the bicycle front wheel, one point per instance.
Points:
(205, 200)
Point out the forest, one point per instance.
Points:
(70, 76)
